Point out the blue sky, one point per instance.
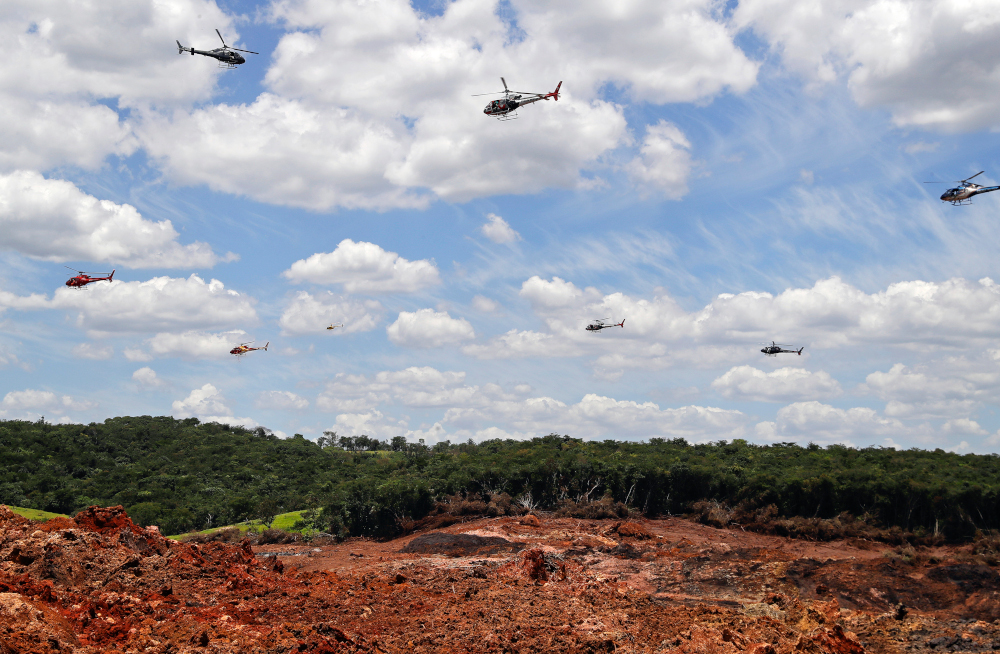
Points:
(717, 176)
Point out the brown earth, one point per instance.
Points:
(99, 583)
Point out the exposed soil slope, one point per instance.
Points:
(99, 583)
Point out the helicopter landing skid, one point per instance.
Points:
(226, 66)
(506, 117)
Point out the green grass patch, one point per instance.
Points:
(35, 514)
(283, 521)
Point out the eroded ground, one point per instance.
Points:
(99, 583)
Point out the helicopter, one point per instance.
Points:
(340, 324)
(774, 349)
(226, 55)
(83, 278)
(599, 324)
(505, 109)
(243, 348)
(962, 194)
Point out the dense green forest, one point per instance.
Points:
(184, 475)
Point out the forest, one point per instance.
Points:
(184, 475)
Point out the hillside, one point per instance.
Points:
(183, 475)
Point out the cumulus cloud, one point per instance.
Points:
(209, 405)
(196, 345)
(399, 128)
(499, 230)
(159, 304)
(821, 423)
(280, 400)
(30, 403)
(659, 332)
(893, 54)
(310, 314)
(365, 268)
(920, 393)
(93, 351)
(665, 160)
(54, 220)
(146, 378)
(476, 411)
(781, 385)
(58, 63)
(429, 328)
(517, 344)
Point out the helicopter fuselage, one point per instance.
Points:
(959, 194)
(223, 55)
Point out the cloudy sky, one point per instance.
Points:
(716, 174)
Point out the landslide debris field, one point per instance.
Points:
(100, 583)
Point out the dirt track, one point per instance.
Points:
(99, 583)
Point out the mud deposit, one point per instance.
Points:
(99, 583)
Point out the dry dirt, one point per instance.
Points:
(99, 583)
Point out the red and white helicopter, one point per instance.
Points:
(598, 325)
(82, 279)
(244, 348)
(512, 100)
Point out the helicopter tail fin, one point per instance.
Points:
(800, 350)
(622, 324)
(180, 48)
(555, 94)
(111, 276)
(265, 345)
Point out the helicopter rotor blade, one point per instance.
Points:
(476, 95)
(74, 269)
(221, 39)
(505, 89)
(241, 50)
(976, 175)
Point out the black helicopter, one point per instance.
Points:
(962, 194)
(504, 109)
(598, 325)
(226, 55)
(774, 349)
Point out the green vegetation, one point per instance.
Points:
(35, 514)
(183, 475)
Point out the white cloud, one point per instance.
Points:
(893, 54)
(159, 304)
(963, 426)
(196, 345)
(135, 354)
(31, 402)
(209, 405)
(61, 57)
(370, 423)
(498, 230)
(54, 220)
(665, 160)
(365, 268)
(485, 304)
(311, 314)
(429, 328)
(821, 423)
(400, 120)
(280, 400)
(919, 393)
(781, 385)
(521, 344)
(146, 378)
(92, 351)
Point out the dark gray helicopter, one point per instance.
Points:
(226, 55)
(962, 194)
(774, 349)
(506, 108)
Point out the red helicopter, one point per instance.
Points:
(83, 278)
(506, 109)
(243, 348)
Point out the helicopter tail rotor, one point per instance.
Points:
(265, 345)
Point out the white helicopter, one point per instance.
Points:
(962, 194)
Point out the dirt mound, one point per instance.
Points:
(460, 545)
(564, 585)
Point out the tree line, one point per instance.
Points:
(184, 475)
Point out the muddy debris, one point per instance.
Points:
(100, 583)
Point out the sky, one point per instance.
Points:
(716, 174)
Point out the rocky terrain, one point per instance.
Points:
(100, 583)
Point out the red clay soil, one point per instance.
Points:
(100, 583)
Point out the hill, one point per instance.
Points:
(184, 475)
